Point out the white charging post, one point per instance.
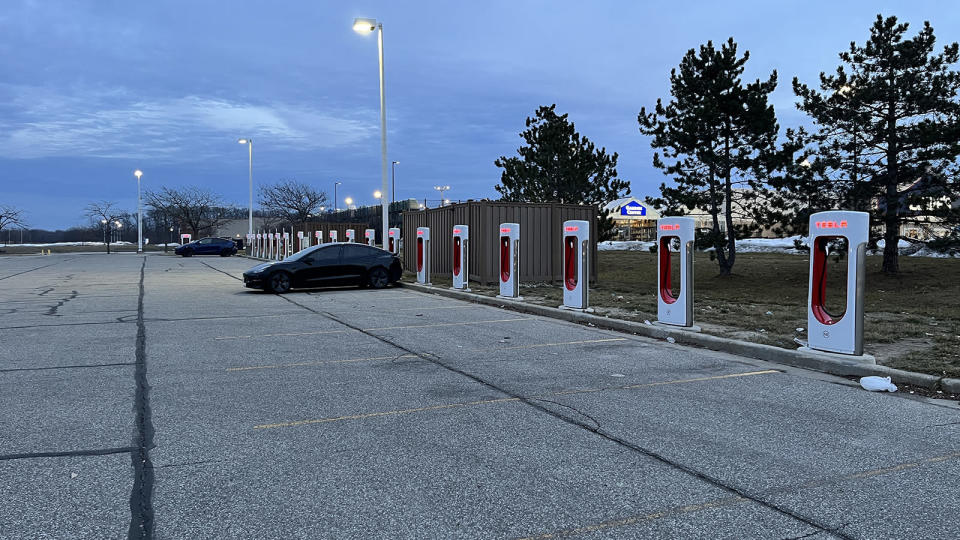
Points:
(370, 236)
(837, 332)
(394, 241)
(576, 265)
(509, 261)
(276, 246)
(423, 255)
(333, 236)
(287, 245)
(461, 257)
(675, 310)
(351, 235)
(185, 239)
(300, 240)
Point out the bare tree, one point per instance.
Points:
(10, 215)
(104, 214)
(292, 201)
(196, 209)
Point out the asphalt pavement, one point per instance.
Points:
(154, 396)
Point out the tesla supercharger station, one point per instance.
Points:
(185, 239)
(370, 237)
(423, 255)
(276, 246)
(576, 265)
(461, 257)
(287, 245)
(300, 238)
(837, 332)
(333, 236)
(351, 235)
(393, 244)
(675, 310)
(319, 236)
(509, 261)
(256, 246)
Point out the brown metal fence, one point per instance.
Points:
(541, 255)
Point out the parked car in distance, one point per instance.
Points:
(325, 266)
(223, 247)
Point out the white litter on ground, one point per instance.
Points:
(877, 384)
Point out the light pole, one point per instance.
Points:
(119, 237)
(441, 189)
(335, 184)
(138, 173)
(249, 143)
(393, 191)
(365, 26)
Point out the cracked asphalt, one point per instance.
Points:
(155, 397)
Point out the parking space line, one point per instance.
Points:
(502, 400)
(321, 363)
(385, 413)
(318, 332)
(485, 349)
(436, 325)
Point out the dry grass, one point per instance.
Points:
(912, 320)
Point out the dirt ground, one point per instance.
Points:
(912, 320)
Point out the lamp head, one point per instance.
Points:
(244, 141)
(377, 194)
(348, 200)
(364, 26)
(103, 221)
(138, 173)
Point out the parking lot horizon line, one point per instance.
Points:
(303, 364)
(435, 325)
(361, 416)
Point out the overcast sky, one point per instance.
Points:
(92, 89)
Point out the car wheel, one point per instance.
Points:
(279, 282)
(225, 253)
(378, 278)
(188, 253)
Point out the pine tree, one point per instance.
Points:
(889, 129)
(559, 165)
(718, 142)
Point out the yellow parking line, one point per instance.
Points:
(319, 332)
(384, 413)
(663, 383)
(436, 325)
(310, 364)
(503, 400)
(321, 363)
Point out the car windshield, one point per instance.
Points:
(301, 254)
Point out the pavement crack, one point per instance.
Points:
(77, 366)
(141, 496)
(572, 408)
(67, 453)
(53, 309)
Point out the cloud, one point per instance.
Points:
(39, 123)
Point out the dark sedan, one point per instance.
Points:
(223, 247)
(325, 266)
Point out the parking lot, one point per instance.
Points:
(155, 396)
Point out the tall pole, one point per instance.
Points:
(335, 184)
(383, 137)
(139, 215)
(250, 214)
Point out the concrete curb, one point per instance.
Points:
(825, 362)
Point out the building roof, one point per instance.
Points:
(630, 208)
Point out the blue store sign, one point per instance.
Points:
(633, 208)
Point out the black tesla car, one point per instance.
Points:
(223, 247)
(327, 265)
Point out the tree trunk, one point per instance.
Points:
(891, 218)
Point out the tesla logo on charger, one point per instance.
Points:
(366, 234)
(419, 233)
(391, 233)
(831, 225)
(456, 231)
(505, 229)
(670, 227)
(571, 229)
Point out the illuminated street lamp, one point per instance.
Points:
(441, 189)
(249, 143)
(335, 199)
(138, 173)
(365, 26)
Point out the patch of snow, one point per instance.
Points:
(625, 245)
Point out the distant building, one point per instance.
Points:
(633, 219)
(237, 228)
